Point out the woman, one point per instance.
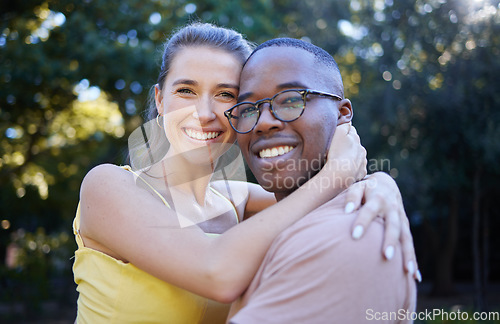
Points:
(143, 255)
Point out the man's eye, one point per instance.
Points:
(248, 112)
(291, 101)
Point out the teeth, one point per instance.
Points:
(203, 136)
(275, 151)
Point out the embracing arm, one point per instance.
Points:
(128, 223)
(381, 196)
(376, 195)
(346, 165)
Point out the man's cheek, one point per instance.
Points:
(266, 180)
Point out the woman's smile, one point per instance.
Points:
(201, 135)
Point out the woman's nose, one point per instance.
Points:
(205, 111)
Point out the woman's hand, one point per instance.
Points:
(379, 194)
(346, 159)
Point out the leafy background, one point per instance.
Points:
(423, 77)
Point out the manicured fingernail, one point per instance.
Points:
(411, 267)
(389, 252)
(357, 232)
(349, 207)
(419, 276)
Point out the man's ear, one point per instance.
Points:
(345, 112)
(158, 99)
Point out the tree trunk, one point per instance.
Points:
(443, 283)
(479, 302)
(486, 253)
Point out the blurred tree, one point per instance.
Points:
(423, 77)
(74, 79)
(428, 74)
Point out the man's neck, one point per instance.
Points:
(279, 196)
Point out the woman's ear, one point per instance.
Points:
(158, 99)
(345, 112)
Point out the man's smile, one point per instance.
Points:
(275, 151)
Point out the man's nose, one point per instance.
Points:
(267, 122)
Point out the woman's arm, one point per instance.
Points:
(376, 195)
(381, 196)
(347, 166)
(258, 199)
(131, 225)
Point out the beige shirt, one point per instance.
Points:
(314, 272)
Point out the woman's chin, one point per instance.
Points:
(203, 154)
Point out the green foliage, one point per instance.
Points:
(423, 77)
(36, 262)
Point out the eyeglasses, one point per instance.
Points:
(287, 106)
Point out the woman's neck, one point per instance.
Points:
(177, 174)
(186, 187)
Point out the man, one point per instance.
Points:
(314, 272)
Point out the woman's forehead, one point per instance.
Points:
(203, 63)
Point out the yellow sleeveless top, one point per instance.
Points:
(112, 291)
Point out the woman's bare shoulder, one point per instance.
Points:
(105, 179)
(107, 172)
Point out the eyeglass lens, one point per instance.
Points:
(287, 106)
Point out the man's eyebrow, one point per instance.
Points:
(280, 87)
(244, 96)
(291, 85)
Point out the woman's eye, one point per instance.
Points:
(184, 90)
(227, 95)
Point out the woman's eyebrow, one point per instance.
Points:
(185, 81)
(228, 85)
(195, 83)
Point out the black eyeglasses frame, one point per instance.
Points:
(257, 104)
